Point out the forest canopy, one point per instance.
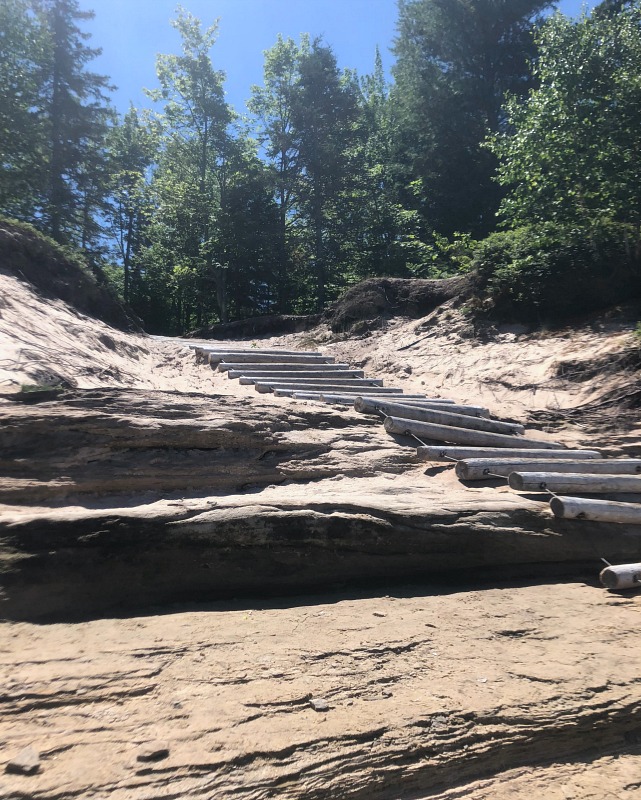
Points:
(507, 143)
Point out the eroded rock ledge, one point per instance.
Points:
(116, 499)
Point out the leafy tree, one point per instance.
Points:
(190, 175)
(571, 153)
(248, 232)
(380, 236)
(133, 149)
(272, 104)
(456, 60)
(324, 116)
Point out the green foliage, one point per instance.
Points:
(456, 60)
(570, 154)
(41, 244)
(541, 272)
(54, 117)
(347, 177)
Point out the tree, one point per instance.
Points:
(571, 154)
(22, 48)
(190, 175)
(272, 104)
(380, 236)
(324, 116)
(133, 149)
(456, 60)
(76, 115)
(248, 232)
(307, 112)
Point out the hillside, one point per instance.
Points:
(210, 592)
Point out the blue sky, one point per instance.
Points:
(131, 32)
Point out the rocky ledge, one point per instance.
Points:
(117, 499)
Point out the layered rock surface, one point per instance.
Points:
(504, 692)
(131, 502)
(137, 498)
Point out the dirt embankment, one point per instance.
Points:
(151, 482)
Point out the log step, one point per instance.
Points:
(350, 387)
(596, 510)
(430, 411)
(444, 418)
(252, 366)
(478, 469)
(202, 349)
(574, 482)
(622, 576)
(465, 436)
(317, 383)
(257, 358)
(453, 453)
(340, 399)
(308, 375)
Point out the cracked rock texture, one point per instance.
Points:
(165, 535)
(498, 692)
(140, 499)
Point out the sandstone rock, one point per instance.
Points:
(153, 751)
(319, 704)
(27, 762)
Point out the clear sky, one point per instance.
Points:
(131, 32)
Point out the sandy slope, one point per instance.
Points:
(476, 691)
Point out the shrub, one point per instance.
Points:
(549, 272)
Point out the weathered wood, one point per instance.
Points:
(478, 469)
(357, 383)
(621, 576)
(250, 367)
(573, 482)
(319, 394)
(453, 453)
(259, 350)
(333, 388)
(450, 405)
(596, 510)
(466, 436)
(415, 400)
(251, 377)
(257, 358)
(413, 411)
(442, 417)
(348, 399)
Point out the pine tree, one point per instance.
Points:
(75, 113)
(456, 61)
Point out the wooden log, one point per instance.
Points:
(596, 510)
(265, 375)
(359, 383)
(338, 398)
(356, 389)
(573, 482)
(318, 394)
(402, 409)
(257, 350)
(442, 417)
(621, 576)
(478, 469)
(450, 405)
(465, 436)
(251, 367)
(257, 358)
(445, 453)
